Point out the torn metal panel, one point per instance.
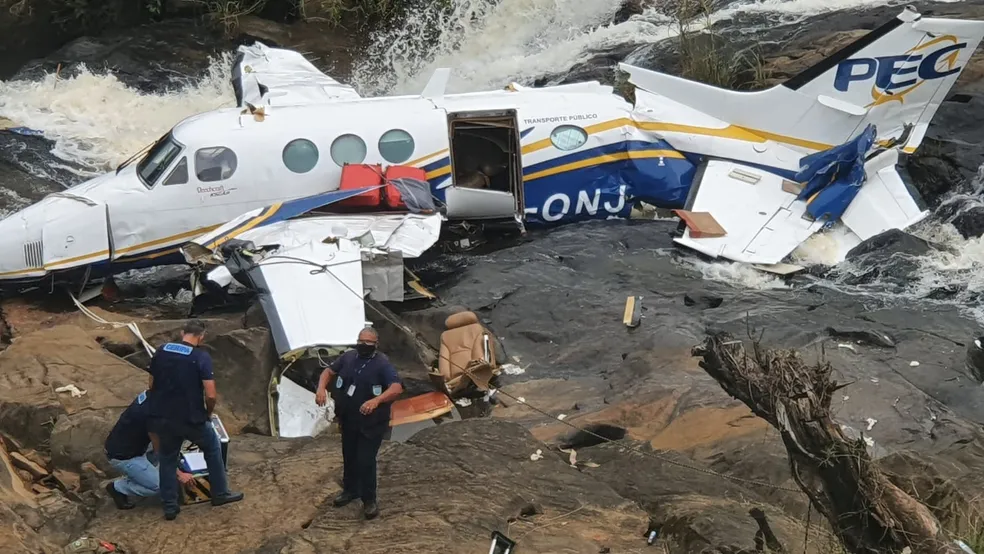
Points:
(307, 307)
(297, 413)
(269, 215)
(382, 275)
(411, 234)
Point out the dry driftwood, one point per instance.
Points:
(867, 512)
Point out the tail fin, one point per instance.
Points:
(894, 77)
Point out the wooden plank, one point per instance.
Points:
(419, 408)
(701, 224)
(633, 312)
(792, 187)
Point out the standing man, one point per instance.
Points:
(126, 450)
(365, 383)
(182, 397)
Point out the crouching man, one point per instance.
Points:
(127, 451)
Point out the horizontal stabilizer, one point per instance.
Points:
(885, 201)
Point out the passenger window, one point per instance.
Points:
(348, 149)
(179, 175)
(568, 137)
(300, 155)
(396, 146)
(215, 164)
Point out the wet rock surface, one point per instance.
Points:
(687, 458)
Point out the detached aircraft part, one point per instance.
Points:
(759, 217)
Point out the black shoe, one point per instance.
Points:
(170, 516)
(120, 499)
(371, 510)
(343, 499)
(227, 498)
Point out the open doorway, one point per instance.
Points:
(487, 173)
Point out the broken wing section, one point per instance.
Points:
(744, 214)
(884, 202)
(312, 295)
(260, 217)
(754, 216)
(276, 77)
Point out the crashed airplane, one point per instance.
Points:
(753, 174)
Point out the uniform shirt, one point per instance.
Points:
(129, 437)
(178, 395)
(370, 377)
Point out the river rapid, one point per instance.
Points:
(94, 121)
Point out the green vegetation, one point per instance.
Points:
(707, 57)
(344, 12)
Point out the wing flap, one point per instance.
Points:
(762, 222)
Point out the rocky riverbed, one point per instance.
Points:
(687, 459)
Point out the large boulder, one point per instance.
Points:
(37, 364)
(243, 362)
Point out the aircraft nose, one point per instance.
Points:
(58, 232)
(21, 251)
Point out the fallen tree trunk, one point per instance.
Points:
(867, 512)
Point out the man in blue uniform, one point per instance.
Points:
(126, 450)
(182, 397)
(365, 383)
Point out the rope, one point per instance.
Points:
(115, 324)
(325, 269)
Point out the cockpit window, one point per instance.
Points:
(157, 160)
(215, 164)
(179, 175)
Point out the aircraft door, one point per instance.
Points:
(486, 170)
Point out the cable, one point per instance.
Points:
(325, 269)
(115, 324)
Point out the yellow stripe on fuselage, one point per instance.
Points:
(603, 159)
(236, 232)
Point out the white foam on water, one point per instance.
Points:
(736, 274)
(96, 122)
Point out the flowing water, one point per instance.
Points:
(95, 121)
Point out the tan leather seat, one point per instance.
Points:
(464, 346)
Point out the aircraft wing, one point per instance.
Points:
(276, 77)
(751, 215)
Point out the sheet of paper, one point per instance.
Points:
(195, 461)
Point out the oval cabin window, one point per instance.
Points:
(217, 163)
(300, 155)
(568, 137)
(396, 146)
(348, 149)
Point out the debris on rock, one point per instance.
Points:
(76, 393)
(21, 462)
(538, 455)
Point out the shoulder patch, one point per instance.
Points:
(176, 348)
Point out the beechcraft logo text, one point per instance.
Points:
(897, 76)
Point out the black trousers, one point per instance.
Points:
(359, 452)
